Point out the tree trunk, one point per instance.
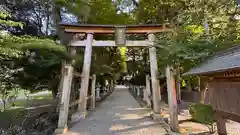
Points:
(25, 93)
(85, 11)
(57, 17)
(47, 25)
(135, 3)
(54, 94)
(4, 104)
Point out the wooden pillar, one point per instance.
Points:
(178, 85)
(148, 91)
(72, 109)
(135, 89)
(112, 86)
(66, 90)
(59, 93)
(154, 73)
(159, 89)
(98, 93)
(172, 100)
(221, 125)
(138, 90)
(106, 86)
(85, 75)
(73, 53)
(93, 99)
(145, 94)
(199, 83)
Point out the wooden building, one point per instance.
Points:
(223, 84)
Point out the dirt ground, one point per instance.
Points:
(187, 126)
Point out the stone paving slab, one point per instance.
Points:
(119, 114)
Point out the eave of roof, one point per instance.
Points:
(223, 61)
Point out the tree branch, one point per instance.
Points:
(135, 3)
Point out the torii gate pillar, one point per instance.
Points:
(85, 75)
(154, 73)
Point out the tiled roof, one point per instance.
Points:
(222, 61)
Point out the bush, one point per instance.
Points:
(203, 114)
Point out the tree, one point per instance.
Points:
(31, 62)
(199, 29)
(35, 14)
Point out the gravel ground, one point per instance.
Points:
(119, 114)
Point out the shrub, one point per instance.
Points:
(203, 114)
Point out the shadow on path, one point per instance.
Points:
(119, 114)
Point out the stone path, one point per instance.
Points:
(119, 114)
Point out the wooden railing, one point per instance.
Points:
(78, 101)
(94, 94)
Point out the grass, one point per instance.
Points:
(21, 107)
(7, 117)
(33, 99)
(8, 114)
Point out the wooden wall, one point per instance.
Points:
(225, 96)
(194, 96)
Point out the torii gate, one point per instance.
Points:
(70, 34)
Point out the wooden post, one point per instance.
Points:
(73, 52)
(138, 90)
(144, 94)
(148, 91)
(199, 83)
(221, 125)
(154, 73)
(106, 86)
(172, 101)
(159, 89)
(133, 87)
(85, 73)
(98, 93)
(59, 93)
(112, 85)
(66, 89)
(178, 84)
(72, 109)
(93, 92)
